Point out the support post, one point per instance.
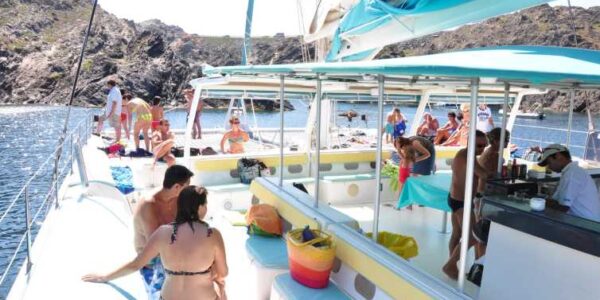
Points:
(464, 242)
(380, 81)
(317, 141)
(570, 124)
(190, 124)
(503, 131)
(416, 121)
(281, 127)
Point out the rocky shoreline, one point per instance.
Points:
(40, 42)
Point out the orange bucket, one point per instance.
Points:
(310, 265)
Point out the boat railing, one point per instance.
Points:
(46, 191)
(541, 141)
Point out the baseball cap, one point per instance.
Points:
(549, 151)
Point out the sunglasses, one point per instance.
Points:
(480, 145)
(235, 122)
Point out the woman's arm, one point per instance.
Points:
(245, 136)
(225, 136)
(150, 251)
(425, 154)
(220, 264)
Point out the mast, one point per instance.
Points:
(247, 47)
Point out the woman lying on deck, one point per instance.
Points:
(192, 253)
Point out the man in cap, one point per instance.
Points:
(576, 192)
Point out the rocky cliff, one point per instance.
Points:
(40, 41)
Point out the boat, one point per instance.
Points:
(348, 196)
(535, 112)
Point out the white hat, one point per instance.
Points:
(549, 151)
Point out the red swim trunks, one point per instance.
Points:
(123, 117)
(155, 125)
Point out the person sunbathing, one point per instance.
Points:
(236, 137)
(447, 130)
(163, 141)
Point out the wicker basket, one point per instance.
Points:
(310, 262)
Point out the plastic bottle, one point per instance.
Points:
(509, 169)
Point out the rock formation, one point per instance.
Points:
(40, 41)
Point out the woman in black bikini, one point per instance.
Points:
(192, 253)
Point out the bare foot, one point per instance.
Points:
(450, 270)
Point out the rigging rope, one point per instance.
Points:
(64, 131)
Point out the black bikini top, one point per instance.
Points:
(173, 238)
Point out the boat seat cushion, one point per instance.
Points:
(302, 180)
(234, 187)
(286, 286)
(269, 252)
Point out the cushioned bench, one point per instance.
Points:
(285, 287)
(234, 196)
(233, 187)
(354, 189)
(269, 252)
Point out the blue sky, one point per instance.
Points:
(227, 17)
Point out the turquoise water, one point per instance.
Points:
(28, 135)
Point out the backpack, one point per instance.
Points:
(249, 168)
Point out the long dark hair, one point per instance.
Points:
(188, 202)
(401, 141)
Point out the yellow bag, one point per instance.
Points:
(404, 246)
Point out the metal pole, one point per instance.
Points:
(281, 127)
(380, 81)
(27, 229)
(318, 140)
(503, 131)
(464, 242)
(571, 100)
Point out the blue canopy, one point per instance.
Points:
(372, 24)
(532, 65)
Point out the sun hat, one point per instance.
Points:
(549, 151)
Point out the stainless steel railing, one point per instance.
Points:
(22, 199)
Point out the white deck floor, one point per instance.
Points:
(423, 224)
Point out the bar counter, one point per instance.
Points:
(552, 225)
(538, 255)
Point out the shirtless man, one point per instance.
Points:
(189, 97)
(429, 126)
(489, 159)
(158, 210)
(162, 142)
(456, 200)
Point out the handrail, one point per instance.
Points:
(85, 126)
(549, 128)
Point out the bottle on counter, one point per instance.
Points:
(509, 169)
(514, 173)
